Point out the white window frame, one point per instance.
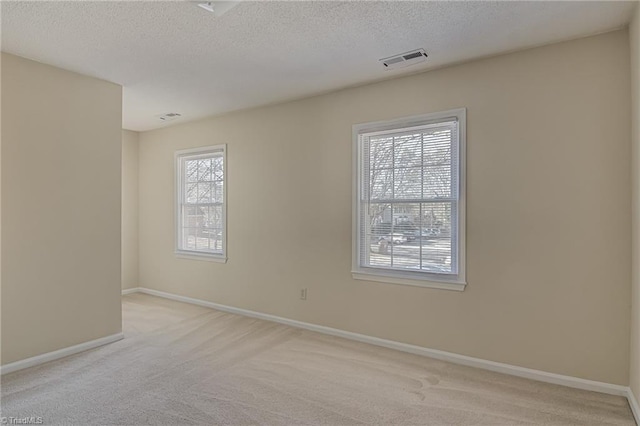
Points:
(179, 197)
(414, 278)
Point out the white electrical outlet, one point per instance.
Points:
(303, 294)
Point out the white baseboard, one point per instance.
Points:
(60, 353)
(542, 376)
(635, 405)
(130, 290)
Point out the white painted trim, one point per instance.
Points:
(528, 373)
(60, 353)
(635, 405)
(419, 279)
(193, 255)
(178, 194)
(389, 278)
(130, 290)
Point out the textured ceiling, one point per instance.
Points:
(176, 57)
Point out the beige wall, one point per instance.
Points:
(548, 218)
(634, 36)
(1, 203)
(129, 209)
(61, 139)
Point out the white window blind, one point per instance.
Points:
(409, 206)
(201, 202)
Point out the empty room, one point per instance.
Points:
(320, 213)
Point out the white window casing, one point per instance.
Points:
(201, 203)
(409, 200)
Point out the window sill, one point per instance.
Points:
(430, 282)
(201, 256)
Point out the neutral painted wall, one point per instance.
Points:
(548, 218)
(634, 37)
(1, 202)
(129, 209)
(61, 139)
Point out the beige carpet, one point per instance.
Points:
(187, 365)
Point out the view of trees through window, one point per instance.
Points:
(203, 203)
(409, 199)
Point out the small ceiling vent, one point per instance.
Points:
(405, 59)
(217, 7)
(169, 116)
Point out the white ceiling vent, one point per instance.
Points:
(218, 8)
(169, 116)
(405, 59)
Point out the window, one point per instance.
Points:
(409, 201)
(201, 203)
